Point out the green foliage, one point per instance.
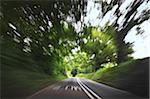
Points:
(100, 45)
(129, 76)
(79, 60)
(50, 35)
(34, 40)
(21, 71)
(41, 29)
(42, 37)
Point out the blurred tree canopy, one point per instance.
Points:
(47, 30)
(42, 28)
(126, 15)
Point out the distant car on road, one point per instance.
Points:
(74, 72)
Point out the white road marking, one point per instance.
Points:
(87, 90)
(91, 97)
(56, 88)
(66, 88)
(73, 88)
(79, 89)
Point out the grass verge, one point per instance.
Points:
(132, 76)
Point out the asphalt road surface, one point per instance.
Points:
(80, 88)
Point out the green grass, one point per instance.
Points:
(89, 75)
(110, 75)
(132, 76)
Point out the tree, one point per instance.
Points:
(42, 28)
(124, 19)
(99, 44)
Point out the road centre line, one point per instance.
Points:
(91, 97)
(87, 90)
(91, 91)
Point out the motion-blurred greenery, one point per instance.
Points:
(42, 41)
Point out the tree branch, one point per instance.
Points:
(134, 7)
(133, 22)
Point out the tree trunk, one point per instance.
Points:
(121, 55)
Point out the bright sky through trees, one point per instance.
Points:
(141, 42)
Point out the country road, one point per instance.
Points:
(80, 88)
